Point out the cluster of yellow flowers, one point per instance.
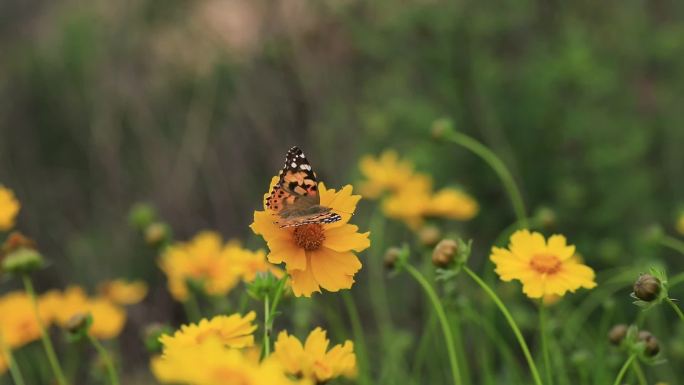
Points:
(9, 208)
(222, 351)
(212, 264)
(410, 196)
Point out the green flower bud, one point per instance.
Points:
(142, 215)
(617, 334)
(157, 233)
(647, 288)
(22, 261)
(78, 326)
(651, 344)
(391, 256)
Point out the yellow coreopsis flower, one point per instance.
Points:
(9, 207)
(313, 360)
(385, 174)
(18, 323)
(543, 267)
(211, 363)
(123, 292)
(204, 259)
(234, 331)
(316, 255)
(108, 318)
(453, 204)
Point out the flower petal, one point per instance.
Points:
(557, 246)
(525, 244)
(334, 270)
(345, 238)
(303, 281)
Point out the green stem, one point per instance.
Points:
(511, 323)
(47, 344)
(639, 373)
(676, 308)
(623, 369)
(672, 243)
(111, 372)
(499, 168)
(267, 332)
(13, 368)
(543, 330)
(192, 309)
(446, 329)
(359, 336)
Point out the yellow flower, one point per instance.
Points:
(232, 331)
(211, 363)
(453, 204)
(9, 207)
(313, 360)
(123, 292)
(317, 255)
(204, 259)
(384, 174)
(680, 223)
(18, 323)
(543, 267)
(252, 262)
(108, 318)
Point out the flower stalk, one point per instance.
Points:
(543, 330)
(511, 323)
(446, 328)
(107, 359)
(47, 344)
(676, 308)
(17, 377)
(623, 369)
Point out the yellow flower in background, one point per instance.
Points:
(123, 292)
(453, 204)
(313, 360)
(544, 267)
(680, 224)
(234, 331)
(252, 262)
(316, 255)
(9, 208)
(204, 259)
(384, 174)
(60, 307)
(211, 363)
(18, 324)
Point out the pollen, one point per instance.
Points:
(545, 263)
(309, 237)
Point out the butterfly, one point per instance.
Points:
(295, 199)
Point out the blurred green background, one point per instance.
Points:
(191, 105)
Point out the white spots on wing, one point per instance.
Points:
(294, 165)
(305, 167)
(302, 155)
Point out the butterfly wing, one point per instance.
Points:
(295, 197)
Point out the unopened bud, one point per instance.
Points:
(444, 253)
(78, 325)
(22, 261)
(429, 235)
(647, 288)
(156, 233)
(441, 127)
(152, 334)
(142, 215)
(617, 334)
(652, 346)
(546, 216)
(391, 256)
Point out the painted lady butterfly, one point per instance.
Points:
(295, 197)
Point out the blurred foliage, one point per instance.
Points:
(191, 105)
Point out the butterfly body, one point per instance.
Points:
(295, 199)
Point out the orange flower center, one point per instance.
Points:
(545, 263)
(309, 237)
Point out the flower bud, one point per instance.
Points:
(546, 216)
(444, 253)
(391, 257)
(429, 235)
(78, 325)
(441, 127)
(156, 233)
(617, 334)
(22, 261)
(141, 215)
(647, 288)
(152, 334)
(652, 346)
